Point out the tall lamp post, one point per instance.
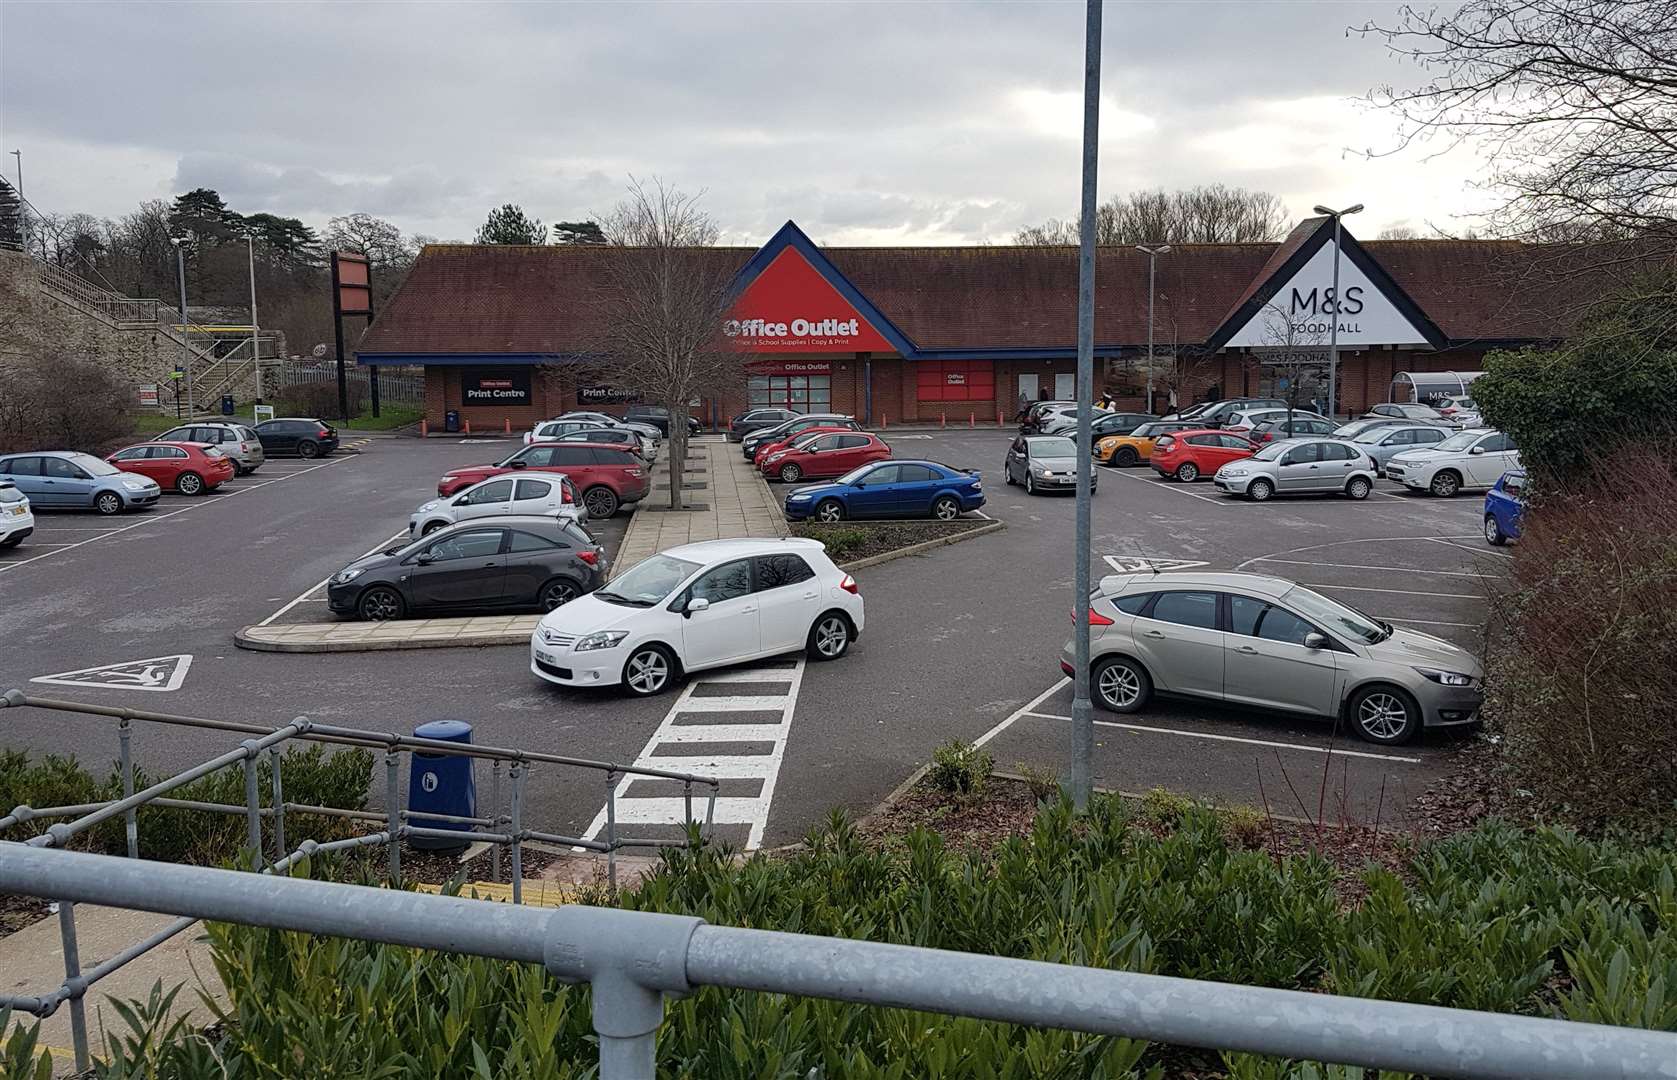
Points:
(23, 207)
(1152, 254)
(1333, 331)
(186, 350)
(255, 353)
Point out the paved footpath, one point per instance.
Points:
(737, 502)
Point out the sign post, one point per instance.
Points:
(352, 294)
(175, 378)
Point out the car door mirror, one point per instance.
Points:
(1477, 450)
(1313, 640)
(518, 464)
(695, 605)
(464, 500)
(425, 558)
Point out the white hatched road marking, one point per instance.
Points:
(732, 810)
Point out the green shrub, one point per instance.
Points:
(1042, 780)
(840, 540)
(22, 1057)
(1164, 807)
(960, 768)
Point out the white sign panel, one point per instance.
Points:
(1305, 307)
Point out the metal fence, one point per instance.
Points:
(504, 827)
(398, 387)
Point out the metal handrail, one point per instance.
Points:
(632, 959)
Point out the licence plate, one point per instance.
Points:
(546, 658)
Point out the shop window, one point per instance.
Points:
(955, 380)
(799, 393)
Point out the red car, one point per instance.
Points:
(189, 468)
(821, 454)
(1188, 455)
(782, 443)
(607, 476)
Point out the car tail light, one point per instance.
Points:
(1095, 617)
(325, 433)
(849, 585)
(634, 472)
(592, 558)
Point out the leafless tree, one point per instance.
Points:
(1212, 214)
(1573, 101)
(1399, 232)
(1293, 353)
(664, 305)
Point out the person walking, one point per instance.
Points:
(1024, 404)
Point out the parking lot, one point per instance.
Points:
(961, 642)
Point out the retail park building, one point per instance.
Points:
(957, 335)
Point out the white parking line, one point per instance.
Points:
(1378, 569)
(1425, 622)
(153, 517)
(1334, 750)
(308, 594)
(1446, 541)
(1176, 486)
(1363, 540)
(1397, 592)
(721, 764)
(1064, 682)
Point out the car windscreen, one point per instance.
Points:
(1271, 451)
(95, 466)
(648, 581)
(857, 473)
(1052, 448)
(1373, 434)
(1459, 441)
(1336, 617)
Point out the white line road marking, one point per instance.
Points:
(1380, 569)
(636, 810)
(308, 593)
(1398, 592)
(161, 673)
(1446, 541)
(1065, 681)
(1336, 543)
(153, 517)
(1240, 739)
(1426, 622)
(1136, 564)
(1174, 485)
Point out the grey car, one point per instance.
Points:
(1382, 443)
(1044, 463)
(234, 440)
(1406, 410)
(1269, 643)
(68, 480)
(1308, 466)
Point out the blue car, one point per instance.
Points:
(1503, 505)
(67, 480)
(894, 488)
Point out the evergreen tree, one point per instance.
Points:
(510, 225)
(578, 232)
(11, 218)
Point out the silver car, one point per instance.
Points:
(1310, 466)
(1044, 463)
(235, 440)
(546, 495)
(1384, 442)
(1270, 643)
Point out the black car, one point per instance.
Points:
(658, 417)
(756, 420)
(294, 435)
(787, 428)
(527, 563)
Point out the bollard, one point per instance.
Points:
(468, 427)
(506, 425)
(971, 423)
(942, 420)
(998, 418)
(884, 421)
(424, 428)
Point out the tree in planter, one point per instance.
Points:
(665, 300)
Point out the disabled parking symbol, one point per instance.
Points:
(160, 673)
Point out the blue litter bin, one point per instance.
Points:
(451, 421)
(442, 784)
(227, 404)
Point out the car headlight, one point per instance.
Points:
(776, 456)
(601, 639)
(345, 576)
(1238, 470)
(426, 508)
(797, 498)
(1446, 678)
(135, 483)
(1040, 470)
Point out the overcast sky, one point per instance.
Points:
(911, 123)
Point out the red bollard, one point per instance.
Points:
(468, 427)
(998, 418)
(884, 421)
(508, 422)
(942, 420)
(424, 428)
(970, 421)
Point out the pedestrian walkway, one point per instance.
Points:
(736, 501)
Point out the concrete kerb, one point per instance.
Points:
(924, 546)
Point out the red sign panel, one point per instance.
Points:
(790, 308)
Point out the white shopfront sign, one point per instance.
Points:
(1303, 309)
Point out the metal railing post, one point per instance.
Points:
(611, 829)
(280, 850)
(74, 983)
(130, 820)
(253, 803)
(393, 810)
(494, 815)
(687, 802)
(515, 773)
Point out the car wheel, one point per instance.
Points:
(830, 637)
(1125, 457)
(1187, 472)
(308, 448)
(1259, 490)
(830, 510)
(1386, 715)
(556, 593)
(648, 671)
(1445, 484)
(189, 483)
(1007, 475)
(240, 470)
(380, 604)
(1120, 684)
(432, 526)
(108, 503)
(600, 501)
(790, 473)
(1493, 531)
(1358, 488)
(1030, 484)
(946, 508)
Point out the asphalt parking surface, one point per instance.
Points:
(961, 642)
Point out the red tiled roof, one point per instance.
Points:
(464, 298)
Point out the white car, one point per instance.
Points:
(700, 606)
(1474, 458)
(546, 495)
(1245, 420)
(16, 520)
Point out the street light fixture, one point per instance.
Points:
(186, 350)
(1333, 332)
(1152, 254)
